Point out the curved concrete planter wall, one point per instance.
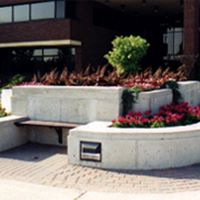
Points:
(136, 148)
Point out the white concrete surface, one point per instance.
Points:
(121, 196)
(89, 103)
(42, 135)
(11, 136)
(137, 148)
(152, 100)
(63, 103)
(15, 190)
(6, 95)
(86, 104)
(190, 92)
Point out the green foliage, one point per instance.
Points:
(15, 80)
(127, 52)
(129, 97)
(157, 124)
(2, 112)
(173, 85)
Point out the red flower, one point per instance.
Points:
(169, 115)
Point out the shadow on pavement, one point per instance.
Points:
(33, 152)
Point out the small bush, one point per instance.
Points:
(126, 53)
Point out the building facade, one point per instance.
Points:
(37, 35)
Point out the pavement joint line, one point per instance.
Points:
(80, 196)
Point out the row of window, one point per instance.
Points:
(38, 59)
(47, 54)
(33, 11)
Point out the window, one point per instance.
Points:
(45, 54)
(178, 38)
(60, 9)
(45, 10)
(50, 54)
(70, 9)
(33, 11)
(6, 14)
(37, 52)
(21, 13)
(173, 39)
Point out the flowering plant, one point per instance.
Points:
(169, 115)
(149, 80)
(104, 76)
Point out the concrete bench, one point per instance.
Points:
(58, 126)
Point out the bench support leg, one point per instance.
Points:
(59, 132)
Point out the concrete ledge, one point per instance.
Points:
(10, 135)
(83, 104)
(152, 100)
(137, 148)
(190, 92)
(67, 103)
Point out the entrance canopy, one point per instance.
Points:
(146, 7)
(41, 43)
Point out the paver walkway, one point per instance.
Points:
(48, 165)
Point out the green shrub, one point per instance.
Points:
(2, 112)
(15, 80)
(126, 53)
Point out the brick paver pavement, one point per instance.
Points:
(48, 165)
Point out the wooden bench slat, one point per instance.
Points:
(47, 124)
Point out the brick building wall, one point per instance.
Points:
(95, 40)
(36, 31)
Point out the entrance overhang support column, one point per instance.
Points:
(191, 36)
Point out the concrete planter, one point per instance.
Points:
(152, 100)
(80, 104)
(86, 104)
(6, 95)
(11, 136)
(190, 92)
(137, 148)
(75, 104)
(71, 104)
